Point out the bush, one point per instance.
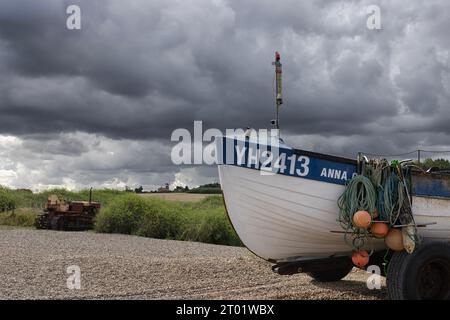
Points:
(159, 223)
(204, 221)
(131, 214)
(211, 188)
(7, 200)
(122, 216)
(20, 218)
(440, 163)
(206, 191)
(210, 227)
(128, 213)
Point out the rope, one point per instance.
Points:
(382, 189)
(359, 195)
(392, 199)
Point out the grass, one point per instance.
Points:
(128, 213)
(203, 221)
(24, 199)
(18, 218)
(175, 196)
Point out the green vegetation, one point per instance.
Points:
(18, 218)
(204, 221)
(20, 207)
(27, 199)
(438, 163)
(128, 213)
(8, 200)
(212, 188)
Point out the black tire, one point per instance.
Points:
(57, 223)
(41, 221)
(60, 223)
(422, 275)
(331, 275)
(63, 224)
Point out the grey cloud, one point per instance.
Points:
(137, 71)
(68, 146)
(81, 159)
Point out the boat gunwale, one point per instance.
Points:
(345, 160)
(324, 156)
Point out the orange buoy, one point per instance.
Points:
(360, 258)
(394, 240)
(379, 229)
(362, 219)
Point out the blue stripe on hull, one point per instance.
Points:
(308, 165)
(290, 162)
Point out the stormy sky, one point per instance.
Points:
(96, 106)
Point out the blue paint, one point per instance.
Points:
(423, 185)
(290, 163)
(305, 165)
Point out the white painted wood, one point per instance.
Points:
(281, 217)
(427, 209)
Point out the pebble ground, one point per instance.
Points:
(33, 265)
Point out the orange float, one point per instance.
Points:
(379, 229)
(360, 258)
(394, 240)
(362, 219)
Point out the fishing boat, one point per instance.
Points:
(292, 212)
(283, 204)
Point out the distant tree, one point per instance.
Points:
(25, 191)
(139, 190)
(213, 188)
(186, 189)
(437, 163)
(178, 189)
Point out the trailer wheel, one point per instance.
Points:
(422, 275)
(331, 275)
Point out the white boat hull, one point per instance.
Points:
(281, 217)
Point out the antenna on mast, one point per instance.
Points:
(279, 87)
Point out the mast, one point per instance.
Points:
(279, 86)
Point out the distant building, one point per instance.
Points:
(164, 188)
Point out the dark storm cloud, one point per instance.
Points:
(138, 70)
(143, 65)
(66, 145)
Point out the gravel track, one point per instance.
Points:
(33, 266)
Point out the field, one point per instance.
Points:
(185, 197)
